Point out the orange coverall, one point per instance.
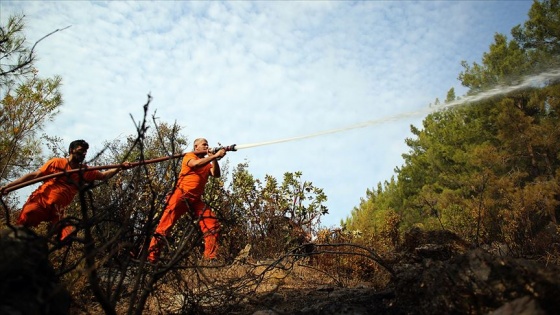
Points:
(47, 203)
(188, 196)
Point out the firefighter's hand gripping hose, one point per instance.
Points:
(219, 147)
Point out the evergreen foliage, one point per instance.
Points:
(487, 171)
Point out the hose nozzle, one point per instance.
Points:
(219, 147)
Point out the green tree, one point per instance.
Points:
(273, 217)
(489, 170)
(376, 214)
(540, 34)
(27, 102)
(16, 55)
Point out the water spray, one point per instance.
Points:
(532, 81)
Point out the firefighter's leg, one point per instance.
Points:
(174, 210)
(210, 227)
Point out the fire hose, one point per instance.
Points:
(111, 166)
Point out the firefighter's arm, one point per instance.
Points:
(212, 157)
(112, 172)
(23, 179)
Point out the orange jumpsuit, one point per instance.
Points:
(188, 196)
(47, 203)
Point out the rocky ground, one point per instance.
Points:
(433, 274)
(471, 283)
(430, 274)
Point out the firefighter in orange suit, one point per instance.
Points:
(196, 168)
(47, 203)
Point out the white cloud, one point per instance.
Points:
(244, 72)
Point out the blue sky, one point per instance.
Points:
(246, 72)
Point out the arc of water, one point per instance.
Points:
(531, 81)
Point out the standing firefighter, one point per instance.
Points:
(196, 167)
(47, 203)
